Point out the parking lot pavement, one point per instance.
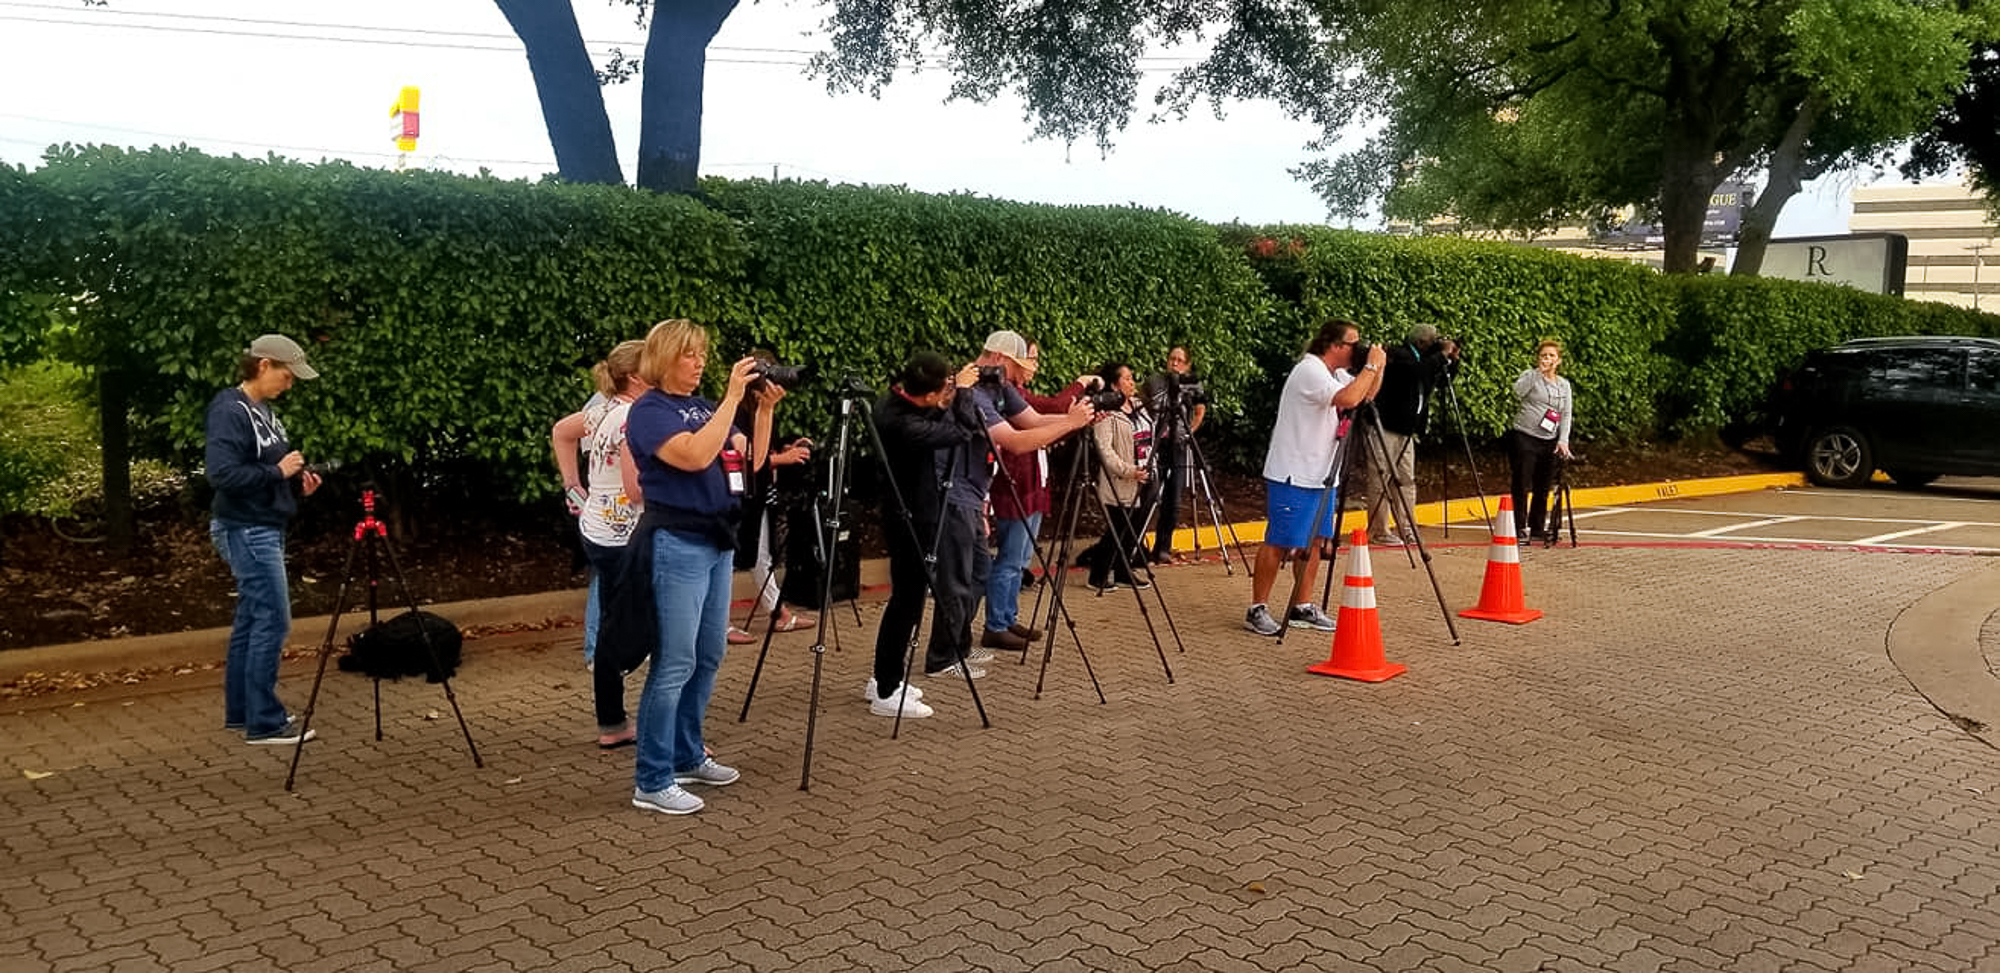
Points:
(1958, 514)
(1700, 759)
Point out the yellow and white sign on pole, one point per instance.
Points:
(404, 130)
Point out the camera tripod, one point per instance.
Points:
(1187, 471)
(1450, 397)
(1375, 450)
(854, 398)
(1125, 548)
(1560, 504)
(369, 534)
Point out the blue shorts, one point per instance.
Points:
(1290, 511)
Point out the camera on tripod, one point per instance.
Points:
(786, 377)
(1187, 389)
(992, 375)
(1359, 360)
(1105, 400)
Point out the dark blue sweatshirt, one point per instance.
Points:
(245, 442)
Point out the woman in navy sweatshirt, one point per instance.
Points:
(252, 466)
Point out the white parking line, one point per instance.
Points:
(1885, 538)
(1726, 528)
(1807, 541)
(1751, 513)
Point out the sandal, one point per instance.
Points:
(737, 636)
(794, 621)
(621, 738)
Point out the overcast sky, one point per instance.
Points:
(317, 80)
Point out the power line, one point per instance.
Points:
(331, 39)
(509, 42)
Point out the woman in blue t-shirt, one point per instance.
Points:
(693, 467)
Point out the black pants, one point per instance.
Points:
(607, 683)
(909, 590)
(1173, 466)
(1104, 558)
(1534, 463)
(964, 557)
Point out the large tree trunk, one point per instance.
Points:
(670, 95)
(1688, 178)
(566, 83)
(1787, 178)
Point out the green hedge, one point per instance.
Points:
(1497, 300)
(853, 280)
(1649, 355)
(455, 316)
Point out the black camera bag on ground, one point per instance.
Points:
(395, 648)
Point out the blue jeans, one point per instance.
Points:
(256, 557)
(591, 611)
(1003, 585)
(691, 595)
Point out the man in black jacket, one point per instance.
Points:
(916, 421)
(1411, 376)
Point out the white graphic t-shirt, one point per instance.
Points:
(608, 514)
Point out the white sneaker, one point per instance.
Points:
(869, 695)
(911, 707)
(977, 656)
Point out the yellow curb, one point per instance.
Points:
(1471, 510)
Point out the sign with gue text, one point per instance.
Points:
(1872, 262)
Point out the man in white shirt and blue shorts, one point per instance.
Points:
(1299, 468)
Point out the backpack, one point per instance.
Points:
(395, 648)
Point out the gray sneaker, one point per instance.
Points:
(286, 736)
(957, 670)
(710, 772)
(1309, 616)
(1258, 619)
(673, 800)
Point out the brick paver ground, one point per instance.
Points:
(1700, 760)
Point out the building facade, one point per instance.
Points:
(1951, 232)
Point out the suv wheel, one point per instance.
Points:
(1911, 479)
(1838, 457)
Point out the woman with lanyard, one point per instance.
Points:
(1122, 436)
(1540, 434)
(693, 471)
(605, 503)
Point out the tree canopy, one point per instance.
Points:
(1524, 113)
(1075, 63)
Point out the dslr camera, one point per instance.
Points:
(1187, 389)
(992, 375)
(1359, 361)
(1105, 400)
(786, 377)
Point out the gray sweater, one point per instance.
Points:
(1538, 399)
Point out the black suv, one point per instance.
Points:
(1916, 407)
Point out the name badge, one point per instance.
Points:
(732, 470)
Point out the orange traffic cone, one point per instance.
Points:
(1357, 634)
(1500, 596)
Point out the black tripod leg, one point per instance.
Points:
(437, 665)
(1057, 608)
(325, 652)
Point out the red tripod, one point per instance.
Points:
(369, 534)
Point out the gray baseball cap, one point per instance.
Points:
(284, 351)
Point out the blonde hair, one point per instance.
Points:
(618, 367)
(666, 343)
(1548, 343)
